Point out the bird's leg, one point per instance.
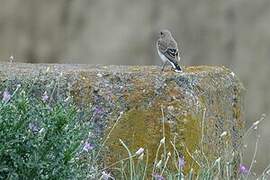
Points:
(163, 66)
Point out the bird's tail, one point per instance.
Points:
(175, 65)
(178, 68)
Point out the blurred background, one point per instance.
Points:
(233, 33)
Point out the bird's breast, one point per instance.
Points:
(163, 58)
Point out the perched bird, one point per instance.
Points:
(168, 50)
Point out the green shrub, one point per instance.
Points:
(39, 140)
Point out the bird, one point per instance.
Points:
(168, 50)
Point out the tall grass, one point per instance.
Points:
(221, 168)
(44, 140)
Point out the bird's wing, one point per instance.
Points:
(171, 54)
(169, 50)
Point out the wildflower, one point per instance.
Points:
(181, 162)
(88, 147)
(162, 141)
(98, 111)
(106, 176)
(45, 96)
(170, 108)
(217, 160)
(159, 164)
(34, 127)
(223, 134)
(232, 74)
(256, 123)
(243, 169)
(6, 96)
(158, 177)
(139, 152)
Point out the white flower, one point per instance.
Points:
(170, 108)
(140, 151)
(162, 141)
(45, 96)
(88, 147)
(6, 96)
(224, 134)
(217, 160)
(159, 164)
(256, 123)
(106, 176)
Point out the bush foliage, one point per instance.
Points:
(39, 140)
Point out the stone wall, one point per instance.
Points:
(192, 108)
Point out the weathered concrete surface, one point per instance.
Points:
(201, 100)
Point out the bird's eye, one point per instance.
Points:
(161, 33)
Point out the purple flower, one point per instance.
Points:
(88, 147)
(243, 169)
(158, 177)
(98, 111)
(181, 162)
(6, 96)
(45, 96)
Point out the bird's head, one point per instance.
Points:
(164, 33)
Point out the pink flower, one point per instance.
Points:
(243, 169)
(6, 96)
